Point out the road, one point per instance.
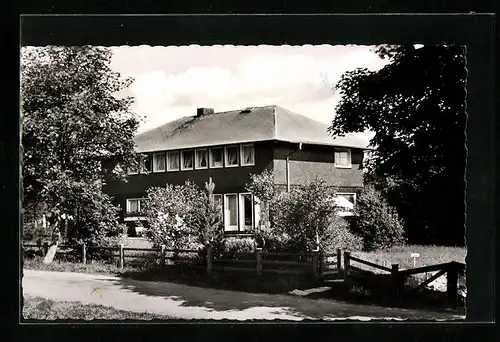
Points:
(189, 302)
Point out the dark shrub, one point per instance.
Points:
(376, 221)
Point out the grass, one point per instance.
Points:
(429, 255)
(40, 308)
(94, 267)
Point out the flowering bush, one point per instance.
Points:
(179, 215)
(239, 244)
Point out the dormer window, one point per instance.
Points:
(342, 158)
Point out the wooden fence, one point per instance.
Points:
(322, 266)
(393, 280)
(258, 262)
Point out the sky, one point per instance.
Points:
(171, 82)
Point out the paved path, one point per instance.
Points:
(189, 302)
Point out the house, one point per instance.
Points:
(228, 147)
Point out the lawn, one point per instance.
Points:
(40, 308)
(95, 267)
(429, 255)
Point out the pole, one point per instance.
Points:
(122, 257)
(84, 254)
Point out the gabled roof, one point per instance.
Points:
(241, 126)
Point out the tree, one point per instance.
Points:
(74, 122)
(416, 107)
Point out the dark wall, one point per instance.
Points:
(316, 161)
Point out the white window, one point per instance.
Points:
(145, 164)
(201, 158)
(218, 200)
(173, 161)
(187, 160)
(247, 155)
(343, 158)
(133, 169)
(231, 156)
(230, 212)
(246, 212)
(216, 157)
(134, 205)
(346, 203)
(159, 162)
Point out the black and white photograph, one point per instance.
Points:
(244, 183)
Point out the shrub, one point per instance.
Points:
(239, 244)
(306, 216)
(180, 213)
(376, 221)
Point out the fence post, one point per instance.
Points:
(339, 260)
(395, 279)
(45, 248)
(84, 253)
(162, 256)
(122, 257)
(451, 285)
(210, 257)
(258, 257)
(347, 260)
(321, 263)
(315, 258)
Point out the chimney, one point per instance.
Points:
(203, 111)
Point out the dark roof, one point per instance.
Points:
(240, 126)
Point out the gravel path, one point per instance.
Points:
(189, 302)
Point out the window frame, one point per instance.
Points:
(226, 164)
(155, 163)
(127, 205)
(182, 160)
(133, 173)
(349, 160)
(241, 154)
(211, 158)
(226, 219)
(348, 212)
(178, 160)
(196, 160)
(241, 212)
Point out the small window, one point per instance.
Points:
(133, 169)
(231, 212)
(247, 155)
(159, 162)
(173, 161)
(343, 158)
(218, 200)
(201, 157)
(216, 157)
(146, 164)
(135, 205)
(187, 160)
(346, 202)
(246, 212)
(231, 156)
